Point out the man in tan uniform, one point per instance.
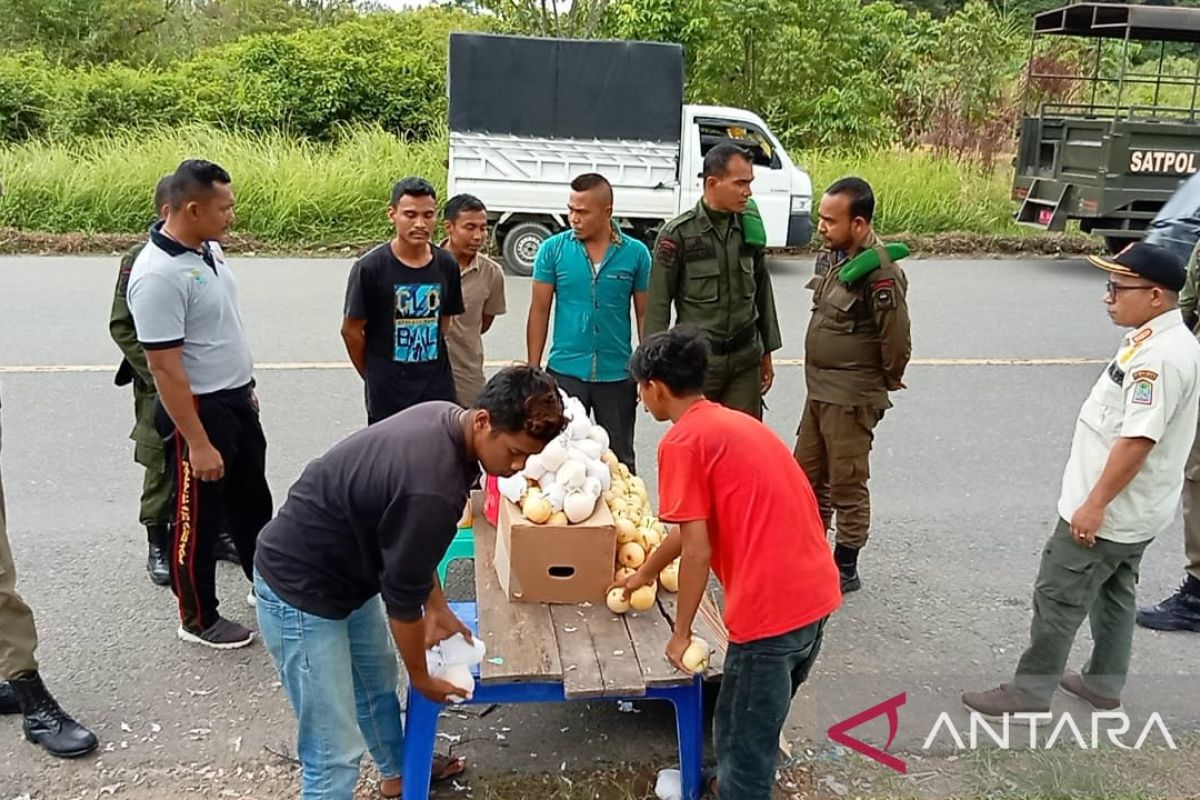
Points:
(857, 347)
(482, 290)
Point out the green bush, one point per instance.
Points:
(113, 96)
(26, 96)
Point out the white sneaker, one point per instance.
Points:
(252, 598)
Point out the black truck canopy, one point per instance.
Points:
(564, 88)
(1118, 21)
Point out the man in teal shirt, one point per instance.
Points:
(590, 274)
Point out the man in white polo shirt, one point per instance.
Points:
(1120, 489)
(184, 302)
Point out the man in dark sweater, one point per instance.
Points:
(373, 517)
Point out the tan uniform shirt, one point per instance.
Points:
(483, 294)
(859, 339)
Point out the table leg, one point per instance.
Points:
(420, 734)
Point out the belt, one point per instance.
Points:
(723, 347)
(221, 394)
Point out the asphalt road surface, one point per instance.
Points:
(965, 480)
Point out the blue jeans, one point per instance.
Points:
(341, 677)
(760, 680)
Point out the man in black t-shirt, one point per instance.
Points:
(373, 517)
(399, 300)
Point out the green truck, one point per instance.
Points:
(1113, 147)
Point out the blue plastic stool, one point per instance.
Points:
(462, 546)
(421, 720)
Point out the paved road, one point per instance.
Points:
(965, 480)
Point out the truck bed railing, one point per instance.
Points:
(1128, 112)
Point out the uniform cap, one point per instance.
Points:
(1155, 264)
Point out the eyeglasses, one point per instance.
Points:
(1113, 289)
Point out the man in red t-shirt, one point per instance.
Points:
(743, 507)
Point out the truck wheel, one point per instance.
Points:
(521, 245)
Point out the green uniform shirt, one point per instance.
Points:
(1189, 295)
(123, 332)
(714, 279)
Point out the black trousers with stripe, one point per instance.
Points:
(241, 498)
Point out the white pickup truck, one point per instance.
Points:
(528, 115)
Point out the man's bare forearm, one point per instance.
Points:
(537, 329)
(175, 392)
(1124, 461)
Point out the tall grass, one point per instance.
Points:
(303, 193)
(917, 192)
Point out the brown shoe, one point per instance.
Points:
(1072, 683)
(995, 704)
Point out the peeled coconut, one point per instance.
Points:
(555, 494)
(558, 519)
(636, 484)
(616, 600)
(534, 468)
(554, 454)
(597, 470)
(631, 554)
(458, 675)
(579, 427)
(537, 509)
(591, 450)
(579, 505)
(624, 470)
(513, 487)
(669, 577)
(609, 497)
(643, 599)
(593, 487)
(695, 658)
(598, 434)
(571, 474)
(619, 487)
(625, 572)
(626, 531)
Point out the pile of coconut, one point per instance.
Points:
(564, 484)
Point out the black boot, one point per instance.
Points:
(846, 559)
(8, 700)
(226, 550)
(1179, 612)
(46, 723)
(157, 562)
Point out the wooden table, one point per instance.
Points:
(538, 652)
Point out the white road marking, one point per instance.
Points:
(302, 366)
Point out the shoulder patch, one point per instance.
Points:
(1142, 335)
(886, 283)
(884, 297)
(667, 249)
(1145, 375)
(1143, 393)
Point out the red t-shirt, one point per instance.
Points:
(768, 543)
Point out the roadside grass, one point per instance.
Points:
(295, 194)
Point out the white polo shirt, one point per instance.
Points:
(1151, 390)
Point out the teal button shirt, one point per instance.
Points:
(592, 338)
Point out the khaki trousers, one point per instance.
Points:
(833, 448)
(18, 637)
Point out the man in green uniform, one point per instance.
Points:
(717, 280)
(855, 352)
(155, 511)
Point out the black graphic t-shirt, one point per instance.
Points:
(407, 360)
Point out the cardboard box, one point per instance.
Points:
(553, 564)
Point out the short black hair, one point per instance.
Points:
(524, 398)
(677, 358)
(460, 203)
(162, 192)
(592, 180)
(862, 197)
(194, 178)
(716, 160)
(413, 187)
